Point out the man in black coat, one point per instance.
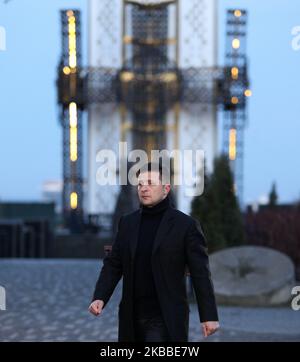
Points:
(152, 248)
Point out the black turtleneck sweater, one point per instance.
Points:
(145, 295)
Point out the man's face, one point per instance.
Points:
(150, 188)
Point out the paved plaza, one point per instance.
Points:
(47, 300)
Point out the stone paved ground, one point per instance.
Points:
(47, 300)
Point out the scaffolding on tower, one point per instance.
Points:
(70, 100)
(237, 91)
(146, 86)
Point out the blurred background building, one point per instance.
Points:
(152, 78)
(152, 81)
(51, 192)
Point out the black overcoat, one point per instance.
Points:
(179, 242)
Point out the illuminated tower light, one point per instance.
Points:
(248, 93)
(72, 39)
(237, 13)
(73, 200)
(236, 43)
(234, 100)
(73, 131)
(234, 72)
(232, 144)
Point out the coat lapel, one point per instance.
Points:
(135, 233)
(164, 227)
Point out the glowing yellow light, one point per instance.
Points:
(248, 93)
(169, 77)
(127, 76)
(70, 13)
(73, 144)
(73, 114)
(127, 39)
(66, 70)
(237, 13)
(73, 131)
(235, 43)
(234, 100)
(73, 200)
(72, 41)
(235, 72)
(232, 144)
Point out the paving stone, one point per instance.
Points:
(47, 300)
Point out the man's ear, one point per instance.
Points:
(167, 188)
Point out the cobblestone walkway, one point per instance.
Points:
(47, 300)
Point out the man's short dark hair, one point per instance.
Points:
(164, 173)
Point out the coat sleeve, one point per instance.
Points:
(198, 264)
(111, 272)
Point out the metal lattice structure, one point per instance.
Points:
(70, 97)
(149, 83)
(148, 80)
(236, 85)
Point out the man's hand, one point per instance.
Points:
(210, 328)
(96, 307)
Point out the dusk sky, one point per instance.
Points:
(30, 134)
